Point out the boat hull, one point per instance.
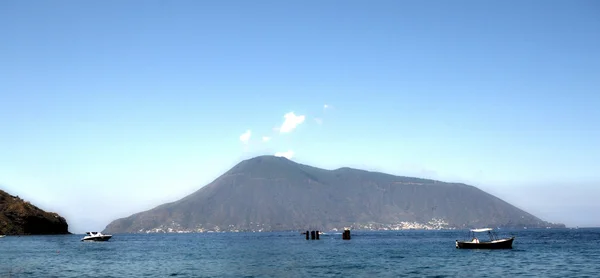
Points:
(497, 244)
(100, 238)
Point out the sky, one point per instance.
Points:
(111, 108)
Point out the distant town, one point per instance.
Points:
(433, 224)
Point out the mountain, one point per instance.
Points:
(274, 193)
(18, 217)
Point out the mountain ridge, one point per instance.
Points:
(274, 193)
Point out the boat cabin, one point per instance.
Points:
(473, 235)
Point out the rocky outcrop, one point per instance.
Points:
(19, 217)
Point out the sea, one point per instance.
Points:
(413, 253)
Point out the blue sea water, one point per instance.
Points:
(536, 253)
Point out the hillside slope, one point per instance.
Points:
(274, 193)
(18, 217)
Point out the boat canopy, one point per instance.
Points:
(481, 230)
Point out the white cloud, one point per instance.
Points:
(266, 138)
(325, 106)
(246, 136)
(291, 121)
(319, 121)
(289, 154)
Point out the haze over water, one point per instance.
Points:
(536, 253)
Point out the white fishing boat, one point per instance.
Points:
(493, 243)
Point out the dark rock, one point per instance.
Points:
(18, 217)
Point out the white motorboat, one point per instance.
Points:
(95, 236)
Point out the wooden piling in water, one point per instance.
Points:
(346, 234)
(311, 235)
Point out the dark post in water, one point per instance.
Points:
(313, 235)
(346, 234)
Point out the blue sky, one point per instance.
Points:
(111, 108)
